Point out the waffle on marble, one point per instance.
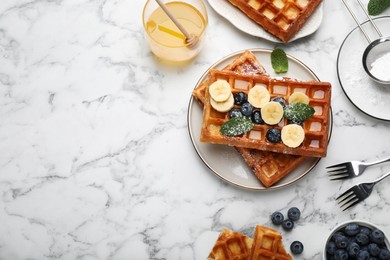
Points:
(268, 167)
(231, 246)
(316, 128)
(246, 63)
(267, 244)
(282, 18)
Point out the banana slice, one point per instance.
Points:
(224, 106)
(258, 96)
(293, 135)
(220, 90)
(298, 97)
(272, 113)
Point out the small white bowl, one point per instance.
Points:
(359, 222)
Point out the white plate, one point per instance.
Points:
(225, 161)
(368, 96)
(245, 24)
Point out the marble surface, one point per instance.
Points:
(96, 161)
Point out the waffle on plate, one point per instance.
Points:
(282, 18)
(246, 63)
(268, 167)
(314, 130)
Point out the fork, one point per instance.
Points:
(357, 193)
(350, 169)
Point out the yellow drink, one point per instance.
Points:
(166, 40)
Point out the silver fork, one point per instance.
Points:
(350, 169)
(357, 193)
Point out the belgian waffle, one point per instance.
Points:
(246, 63)
(267, 244)
(282, 18)
(316, 128)
(231, 246)
(268, 167)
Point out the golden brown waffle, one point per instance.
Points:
(282, 18)
(231, 246)
(316, 128)
(246, 63)
(268, 245)
(270, 167)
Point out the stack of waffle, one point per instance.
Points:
(266, 244)
(282, 18)
(269, 162)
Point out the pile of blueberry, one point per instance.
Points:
(356, 241)
(246, 109)
(293, 214)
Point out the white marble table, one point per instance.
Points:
(96, 161)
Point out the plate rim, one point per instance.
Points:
(192, 100)
(272, 38)
(338, 71)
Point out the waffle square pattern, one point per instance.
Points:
(316, 128)
(282, 18)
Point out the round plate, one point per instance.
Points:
(225, 161)
(245, 24)
(367, 95)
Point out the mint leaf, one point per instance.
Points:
(236, 126)
(298, 112)
(279, 61)
(376, 7)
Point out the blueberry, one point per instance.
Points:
(362, 239)
(365, 230)
(337, 234)
(240, 98)
(353, 249)
(331, 247)
(352, 229)
(373, 249)
(384, 254)
(246, 109)
(280, 100)
(277, 218)
(235, 112)
(256, 117)
(287, 224)
(341, 242)
(294, 213)
(273, 135)
(377, 236)
(341, 254)
(296, 247)
(294, 121)
(363, 255)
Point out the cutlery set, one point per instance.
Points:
(358, 192)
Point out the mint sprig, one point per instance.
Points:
(376, 7)
(279, 61)
(298, 112)
(236, 126)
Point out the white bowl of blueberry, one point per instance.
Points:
(357, 239)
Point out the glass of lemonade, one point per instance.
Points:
(166, 40)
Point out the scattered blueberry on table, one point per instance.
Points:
(296, 247)
(277, 218)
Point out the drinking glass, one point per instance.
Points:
(165, 39)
